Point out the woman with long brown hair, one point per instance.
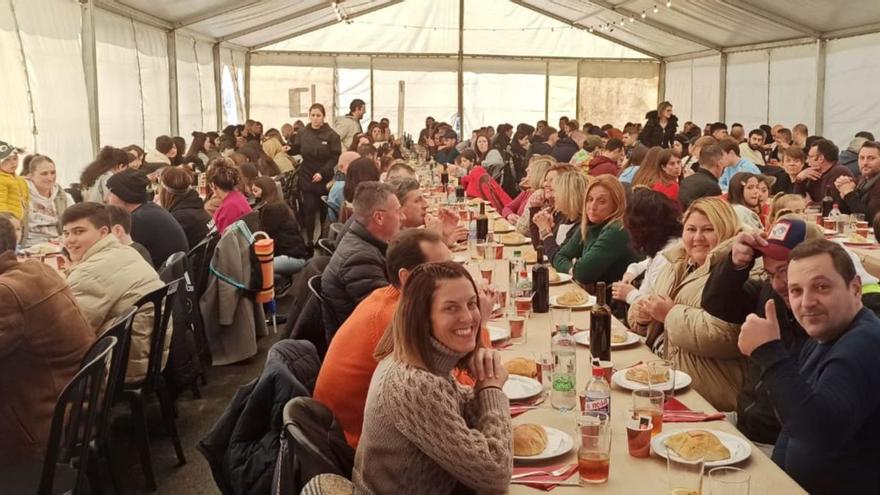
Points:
(661, 171)
(93, 180)
(600, 250)
(183, 202)
(225, 185)
(414, 400)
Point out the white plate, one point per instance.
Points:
(519, 387)
(498, 333)
(847, 242)
(461, 257)
(508, 230)
(591, 300)
(558, 443)
(525, 240)
(682, 380)
(740, 448)
(564, 278)
(583, 338)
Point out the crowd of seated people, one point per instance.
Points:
(700, 235)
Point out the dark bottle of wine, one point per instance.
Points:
(482, 224)
(541, 284)
(827, 202)
(600, 326)
(459, 192)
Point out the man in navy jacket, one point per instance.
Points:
(830, 406)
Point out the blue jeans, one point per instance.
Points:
(285, 265)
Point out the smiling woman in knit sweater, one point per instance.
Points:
(424, 433)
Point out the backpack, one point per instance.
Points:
(509, 180)
(290, 189)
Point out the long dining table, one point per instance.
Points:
(628, 475)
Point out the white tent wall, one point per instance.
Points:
(499, 91)
(16, 119)
(694, 87)
(232, 86)
(121, 107)
(561, 90)
(852, 72)
(152, 53)
(282, 88)
(51, 48)
(426, 91)
(196, 99)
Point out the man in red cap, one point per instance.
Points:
(730, 294)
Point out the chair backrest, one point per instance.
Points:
(315, 288)
(168, 269)
(200, 257)
(76, 412)
(327, 246)
(162, 300)
(121, 330)
(335, 230)
(329, 206)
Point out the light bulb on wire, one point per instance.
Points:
(632, 19)
(644, 14)
(656, 9)
(668, 4)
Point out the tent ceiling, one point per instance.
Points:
(688, 26)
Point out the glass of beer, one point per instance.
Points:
(594, 447)
(649, 402)
(517, 329)
(499, 250)
(523, 304)
(685, 476)
(728, 481)
(486, 269)
(638, 433)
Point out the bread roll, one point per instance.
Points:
(529, 439)
(689, 445)
(522, 366)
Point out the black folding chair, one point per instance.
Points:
(335, 230)
(315, 288)
(327, 246)
(100, 444)
(329, 206)
(189, 330)
(136, 394)
(64, 468)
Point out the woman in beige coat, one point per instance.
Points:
(676, 326)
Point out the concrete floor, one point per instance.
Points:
(196, 418)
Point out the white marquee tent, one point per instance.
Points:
(81, 74)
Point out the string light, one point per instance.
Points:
(644, 14)
(631, 19)
(656, 9)
(668, 4)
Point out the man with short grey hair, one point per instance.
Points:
(414, 212)
(357, 267)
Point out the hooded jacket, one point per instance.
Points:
(42, 219)
(601, 164)
(563, 150)
(43, 338)
(275, 150)
(189, 211)
(347, 127)
(110, 278)
(654, 135)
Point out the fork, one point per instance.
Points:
(557, 472)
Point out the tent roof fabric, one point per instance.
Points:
(683, 28)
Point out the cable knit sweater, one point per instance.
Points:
(424, 433)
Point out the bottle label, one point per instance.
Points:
(598, 404)
(563, 382)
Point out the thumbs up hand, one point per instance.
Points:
(757, 331)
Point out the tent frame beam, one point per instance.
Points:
(171, 38)
(664, 28)
(323, 25)
(90, 66)
(451, 56)
(575, 25)
(821, 46)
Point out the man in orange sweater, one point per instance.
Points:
(348, 367)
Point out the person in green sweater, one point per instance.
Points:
(600, 250)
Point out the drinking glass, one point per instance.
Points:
(649, 402)
(728, 481)
(486, 269)
(662, 368)
(545, 369)
(685, 477)
(523, 303)
(594, 447)
(561, 319)
(638, 433)
(517, 328)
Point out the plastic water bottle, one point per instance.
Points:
(597, 395)
(563, 391)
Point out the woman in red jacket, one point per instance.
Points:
(660, 172)
(479, 184)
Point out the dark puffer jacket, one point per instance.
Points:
(189, 211)
(243, 445)
(277, 220)
(356, 268)
(654, 135)
(731, 295)
(320, 150)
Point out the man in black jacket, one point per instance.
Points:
(731, 295)
(357, 267)
(704, 182)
